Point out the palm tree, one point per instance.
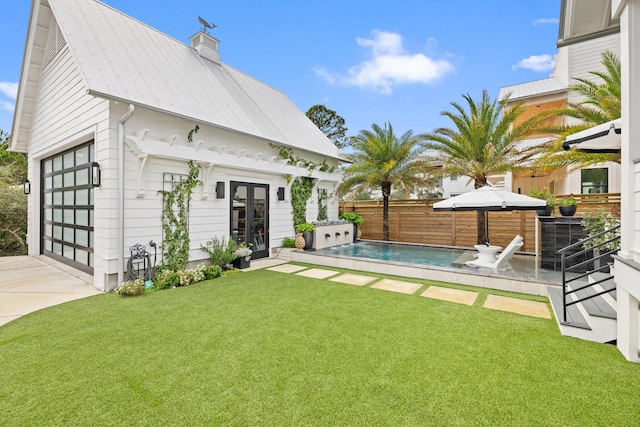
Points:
(600, 104)
(382, 159)
(483, 142)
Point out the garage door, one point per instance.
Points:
(67, 207)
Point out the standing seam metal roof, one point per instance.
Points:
(122, 58)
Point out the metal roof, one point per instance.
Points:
(534, 88)
(122, 58)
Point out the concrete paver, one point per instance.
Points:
(516, 305)
(397, 286)
(452, 295)
(287, 268)
(353, 279)
(317, 273)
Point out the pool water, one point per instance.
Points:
(423, 255)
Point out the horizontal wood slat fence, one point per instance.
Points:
(414, 221)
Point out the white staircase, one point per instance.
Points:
(592, 319)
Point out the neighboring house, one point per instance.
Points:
(104, 107)
(579, 53)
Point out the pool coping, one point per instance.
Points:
(482, 279)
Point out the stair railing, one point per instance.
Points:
(597, 267)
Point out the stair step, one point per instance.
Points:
(608, 284)
(574, 317)
(596, 306)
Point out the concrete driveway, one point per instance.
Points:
(28, 284)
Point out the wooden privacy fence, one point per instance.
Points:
(414, 221)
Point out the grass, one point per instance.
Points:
(264, 348)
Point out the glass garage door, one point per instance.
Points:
(67, 207)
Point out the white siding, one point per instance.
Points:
(65, 116)
(587, 56)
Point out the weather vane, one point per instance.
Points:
(206, 26)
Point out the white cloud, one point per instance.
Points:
(9, 89)
(545, 21)
(537, 63)
(390, 65)
(7, 106)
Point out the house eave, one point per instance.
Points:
(200, 121)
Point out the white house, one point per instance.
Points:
(104, 108)
(579, 54)
(612, 23)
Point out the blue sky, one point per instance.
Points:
(372, 61)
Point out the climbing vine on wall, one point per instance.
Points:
(301, 190)
(322, 204)
(175, 217)
(289, 154)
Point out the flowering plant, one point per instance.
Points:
(244, 251)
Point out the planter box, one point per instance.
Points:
(241, 263)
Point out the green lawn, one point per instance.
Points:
(265, 348)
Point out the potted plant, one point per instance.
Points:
(546, 195)
(307, 229)
(243, 254)
(356, 220)
(568, 206)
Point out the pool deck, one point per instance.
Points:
(525, 277)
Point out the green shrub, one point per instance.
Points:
(305, 226)
(221, 252)
(166, 279)
(352, 217)
(212, 272)
(288, 242)
(131, 288)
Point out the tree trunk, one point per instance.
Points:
(482, 226)
(386, 191)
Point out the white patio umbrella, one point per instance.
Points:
(604, 138)
(487, 199)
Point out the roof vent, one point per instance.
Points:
(206, 46)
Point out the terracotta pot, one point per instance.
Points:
(300, 242)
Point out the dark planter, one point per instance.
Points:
(568, 210)
(546, 211)
(355, 232)
(241, 263)
(308, 239)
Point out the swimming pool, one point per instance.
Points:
(437, 263)
(397, 252)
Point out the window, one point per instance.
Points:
(595, 180)
(453, 177)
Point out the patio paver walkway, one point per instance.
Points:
(317, 273)
(397, 286)
(353, 279)
(287, 268)
(452, 295)
(516, 305)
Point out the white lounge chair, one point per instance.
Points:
(502, 261)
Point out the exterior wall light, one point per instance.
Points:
(26, 187)
(95, 174)
(220, 190)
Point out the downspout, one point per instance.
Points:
(121, 124)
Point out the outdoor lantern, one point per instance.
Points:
(26, 187)
(280, 193)
(220, 189)
(95, 174)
